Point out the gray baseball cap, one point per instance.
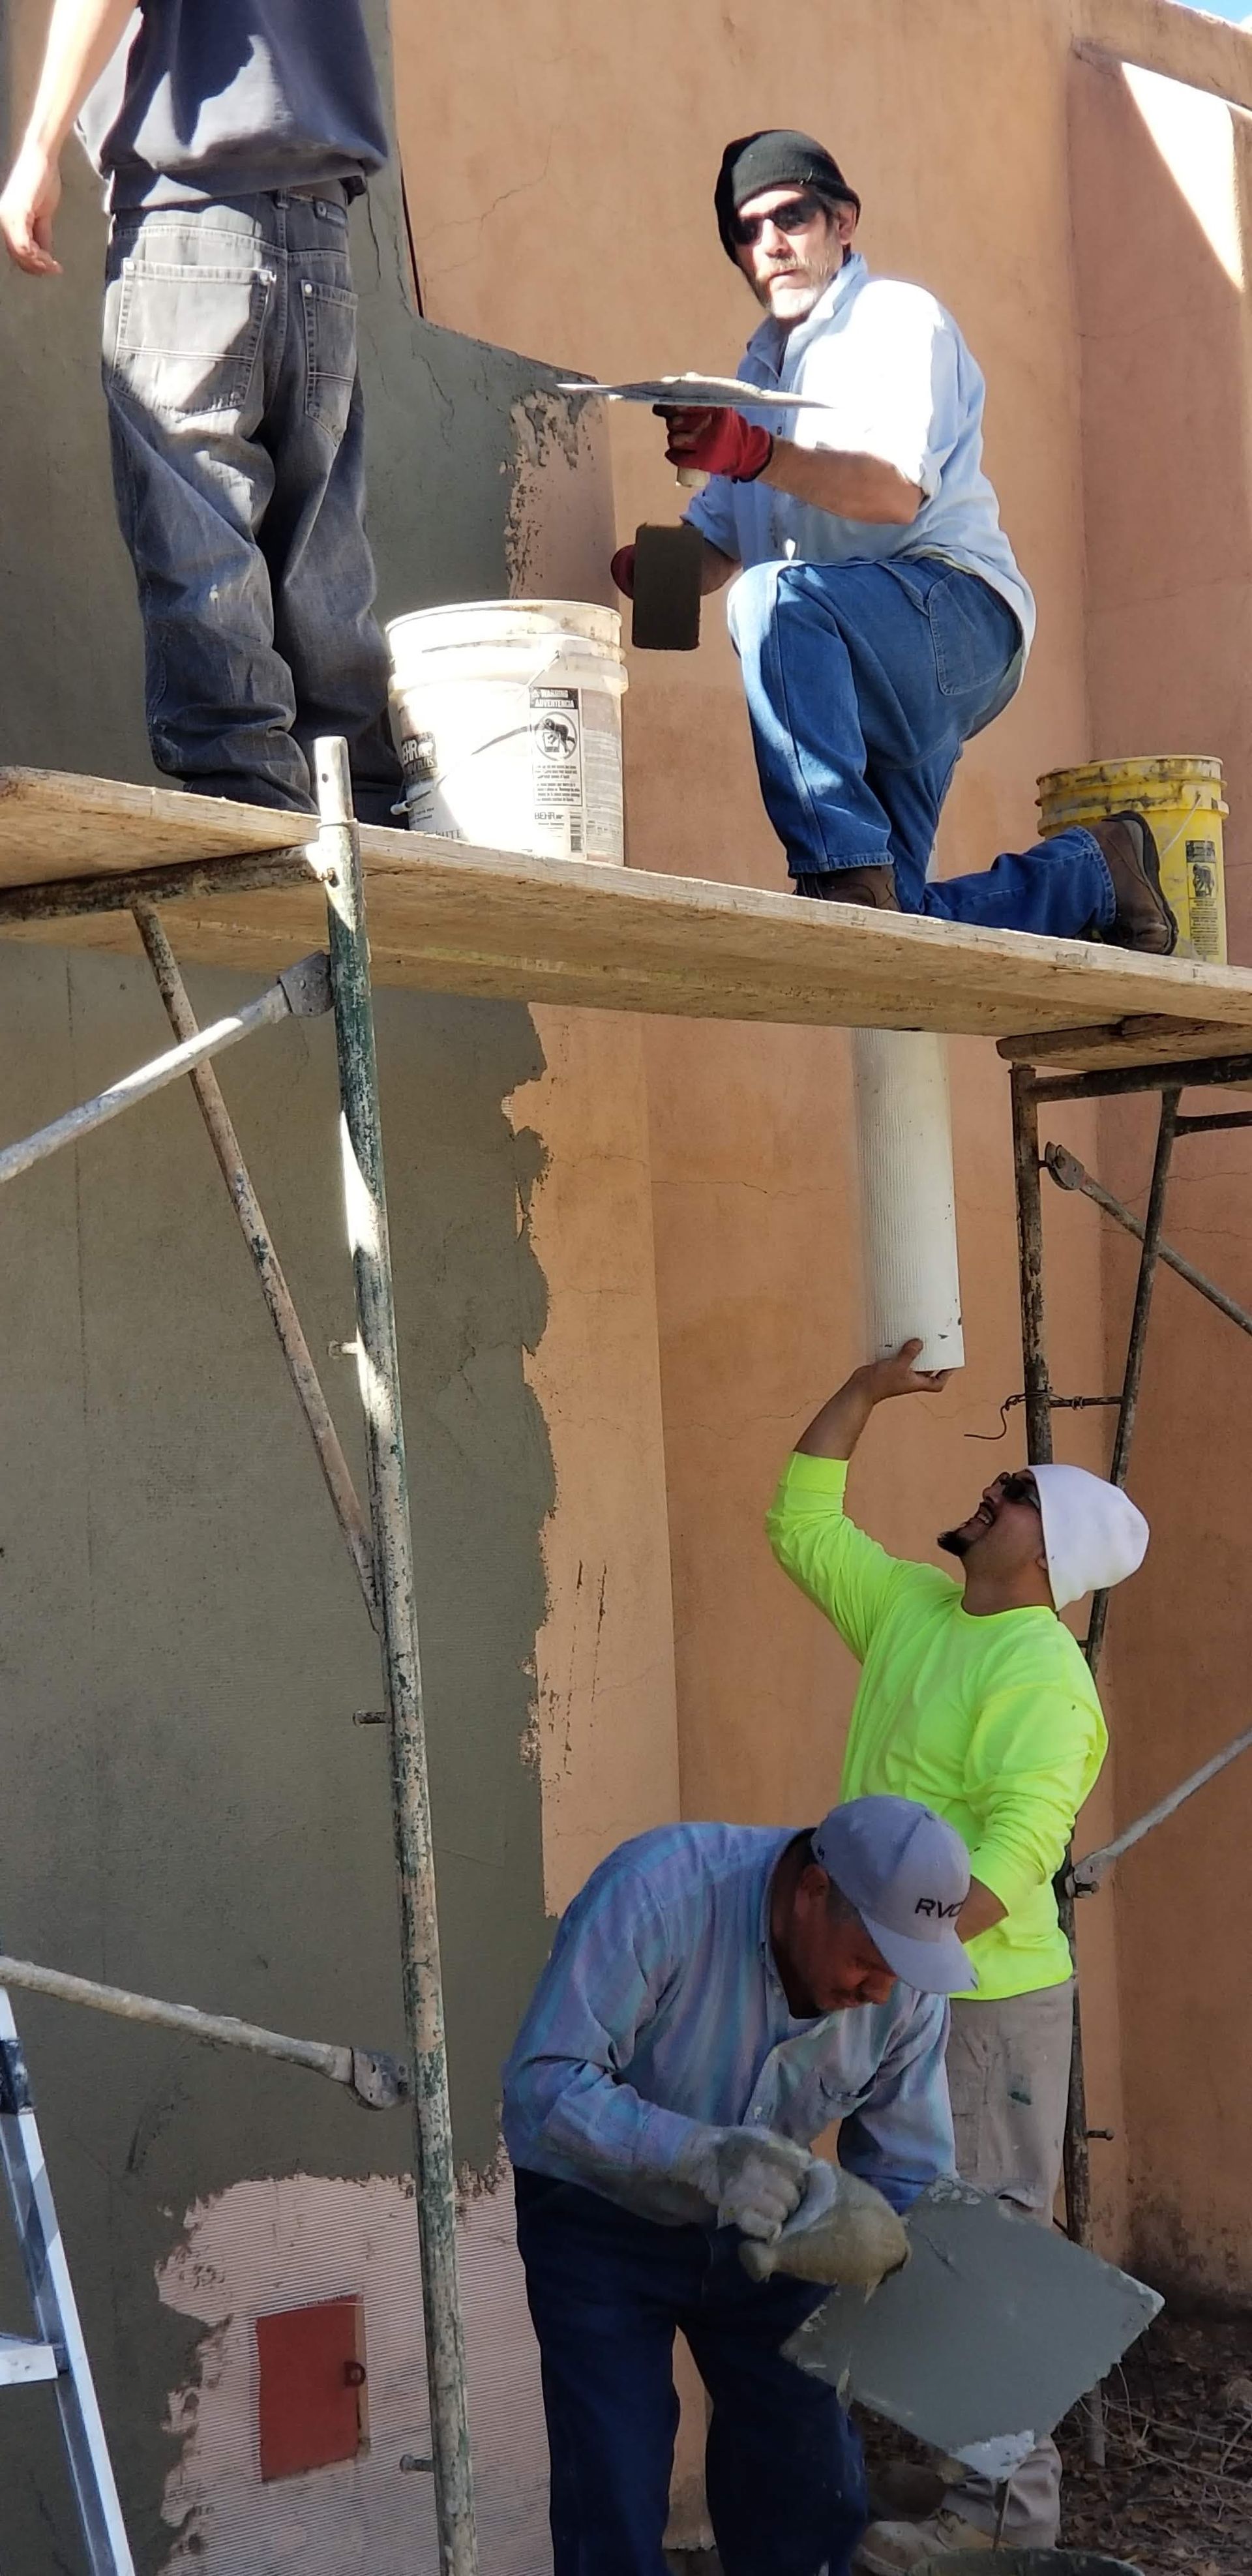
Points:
(907, 1874)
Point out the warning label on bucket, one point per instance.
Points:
(1206, 925)
(556, 765)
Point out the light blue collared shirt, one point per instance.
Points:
(661, 2005)
(895, 380)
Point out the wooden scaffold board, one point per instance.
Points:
(446, 917)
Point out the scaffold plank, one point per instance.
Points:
(452, 918)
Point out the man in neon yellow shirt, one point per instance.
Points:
(976, 1700)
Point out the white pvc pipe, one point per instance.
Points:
(908, 1198)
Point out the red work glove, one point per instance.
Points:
(622, 570)
(717, 442)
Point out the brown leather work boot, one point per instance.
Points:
(1143, 919)
(873, 886)
(920, 2548)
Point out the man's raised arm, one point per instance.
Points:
(846, 1574)
(835, 1431)
(82, 36)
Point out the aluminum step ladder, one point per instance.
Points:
(58, 2351)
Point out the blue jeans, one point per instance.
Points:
(607, 2292)
(238, 463)
(863, 682)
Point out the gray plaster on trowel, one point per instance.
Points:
(995, 2323)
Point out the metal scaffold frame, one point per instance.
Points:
(607, 916)
(379, 1544)
(1031, 1091)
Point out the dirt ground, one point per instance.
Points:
(1174, 2497)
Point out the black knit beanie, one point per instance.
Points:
(775, 158)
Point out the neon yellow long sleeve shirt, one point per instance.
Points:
(994, 1722)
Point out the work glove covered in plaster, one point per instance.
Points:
(753, 2178)
(717, 442)
(843, 2233)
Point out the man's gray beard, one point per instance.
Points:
(954, 1542)
(812, 295)
(816, 290)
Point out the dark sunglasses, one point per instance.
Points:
(791, 217)
(1019, 1489)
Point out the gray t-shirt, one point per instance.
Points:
(207, 99)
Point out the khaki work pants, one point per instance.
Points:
(1008, 2076)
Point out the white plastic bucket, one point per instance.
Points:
(508, 719)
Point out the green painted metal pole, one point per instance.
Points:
(378, 1373)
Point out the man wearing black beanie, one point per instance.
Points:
(879, 616)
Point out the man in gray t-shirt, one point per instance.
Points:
(230, 136)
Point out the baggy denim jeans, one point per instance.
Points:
(863, 682)
(237, 433)
(607, 2293)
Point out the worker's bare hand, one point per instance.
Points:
(27, 209)
(899, 1376)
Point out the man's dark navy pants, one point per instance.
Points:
(607, 2291)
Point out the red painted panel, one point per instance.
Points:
(311, 2402)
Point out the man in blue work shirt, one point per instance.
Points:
(716, 1997)
(230, 139)
(879, 616)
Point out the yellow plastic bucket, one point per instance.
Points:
(1182, 800)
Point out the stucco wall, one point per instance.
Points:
(188, 1807)
(597, 1224)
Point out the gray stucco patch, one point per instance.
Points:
(188, 1807)
(186, 1804)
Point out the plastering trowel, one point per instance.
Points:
(993, 2324)
(669, 561)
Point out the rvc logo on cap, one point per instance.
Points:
(935, 1912)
